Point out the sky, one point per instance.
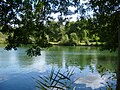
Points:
(72, 17)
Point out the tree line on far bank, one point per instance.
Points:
(73, 33)
(70, 33)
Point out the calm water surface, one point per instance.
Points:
(17, 69)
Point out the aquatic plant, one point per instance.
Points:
(59, 79)
(55, 80)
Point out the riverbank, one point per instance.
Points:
(80, 44)
(2, 38)
(2, 41)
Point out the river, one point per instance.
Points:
(17, 70)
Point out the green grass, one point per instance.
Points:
(2, 38)
(81, 43)
(54, 43)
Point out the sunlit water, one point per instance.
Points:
(17, 70)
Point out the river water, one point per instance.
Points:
(17, 70)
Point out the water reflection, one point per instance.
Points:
(84, 60)
(80, 57)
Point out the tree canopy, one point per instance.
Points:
(30, 21)
(106, 21)
(22, 19)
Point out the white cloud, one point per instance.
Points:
(92, 80)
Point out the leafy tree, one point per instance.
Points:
(55, 30)
(74, 27)
(107, 24)
(83, 29)
(23, 19)
(74, 39)
(64, 40)
(105, 21)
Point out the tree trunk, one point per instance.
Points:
(118, 67)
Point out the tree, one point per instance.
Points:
(77, 27)
(55, 30)
(107, 19)
(22, 20)
(74, 39)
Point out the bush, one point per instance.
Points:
(65, 40)
(74, 40)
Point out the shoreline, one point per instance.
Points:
(58, 44)
(81, 44)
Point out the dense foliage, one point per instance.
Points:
(23, 19)
(106, 21)
(107, 24)
(30, 21)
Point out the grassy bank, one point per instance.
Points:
(80, 44)
(2, 38)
